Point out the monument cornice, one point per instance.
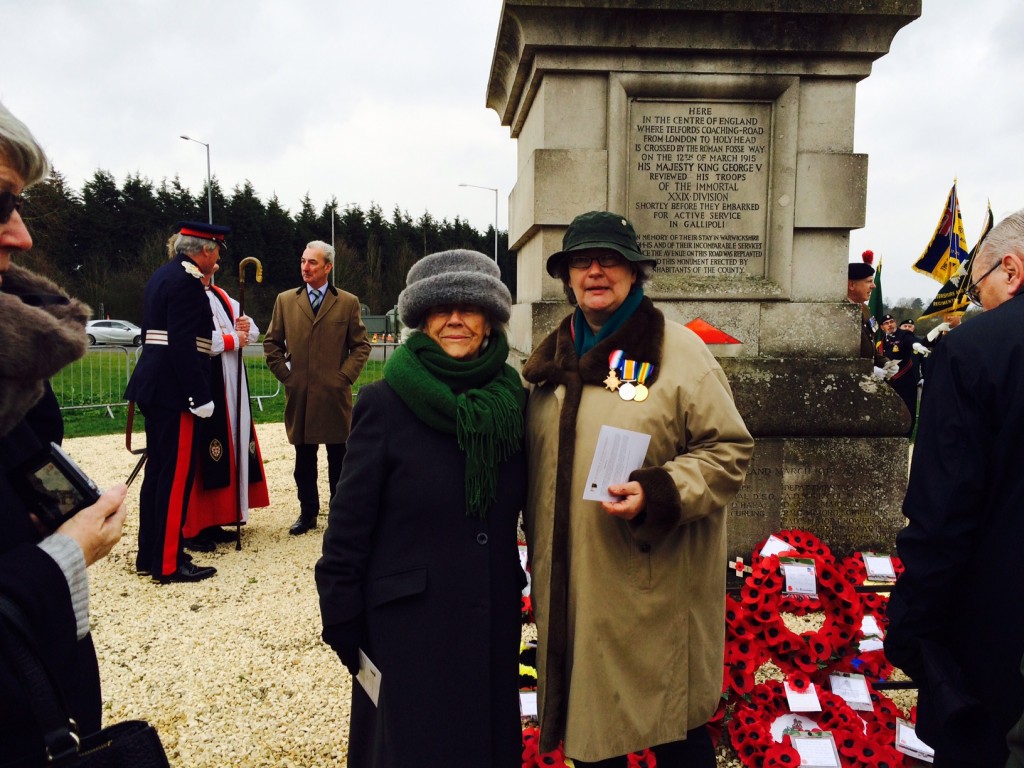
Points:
(794, 32)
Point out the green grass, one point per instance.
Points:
(92, 389)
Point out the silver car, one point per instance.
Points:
(113, 332)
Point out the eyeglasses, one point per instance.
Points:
(582, 261)
(972, 290)
(9, 203)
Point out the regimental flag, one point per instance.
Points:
(875, 306)
(947, 249)
(952, 296)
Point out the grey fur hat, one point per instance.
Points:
(453, 277)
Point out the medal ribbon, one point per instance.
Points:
(646, 369)
(629, 370)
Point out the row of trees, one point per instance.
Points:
(102, 243)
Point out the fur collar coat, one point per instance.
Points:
(43, 330)
(629, 614)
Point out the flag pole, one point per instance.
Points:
(240, 452)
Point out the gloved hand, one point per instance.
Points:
(203, 411)
(878, 373)
(891, 368)
(921, 349)
(933, 334)
(344, 639)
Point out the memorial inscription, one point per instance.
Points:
(697, 185)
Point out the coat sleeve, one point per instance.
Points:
(347, 548)
(357, 344)
(709, 468)
(188, 320)
(944, 505)
(274, 342)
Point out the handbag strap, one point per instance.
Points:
(59, 731)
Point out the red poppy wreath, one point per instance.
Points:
(810, 651)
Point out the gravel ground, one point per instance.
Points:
(230, 670)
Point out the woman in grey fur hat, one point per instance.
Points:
(420, 567)
(42, 573)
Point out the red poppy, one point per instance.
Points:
(799, 682)
(781, 755)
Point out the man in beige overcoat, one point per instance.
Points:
(316, 346)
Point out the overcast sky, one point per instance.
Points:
(384, 102)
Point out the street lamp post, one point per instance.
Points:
(209, 178)
(495, 191)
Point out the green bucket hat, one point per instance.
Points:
(599, 229)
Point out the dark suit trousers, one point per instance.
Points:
(306, 476)
(172, 445)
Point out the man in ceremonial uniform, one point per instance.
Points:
(171, 384)
(224, 489)
(316, 346)
(953, 614)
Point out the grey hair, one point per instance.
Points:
(1005, 237)
(325, 248)
(644, 271)
(187, 244)
(20, 150)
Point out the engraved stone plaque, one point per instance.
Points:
(697, 185)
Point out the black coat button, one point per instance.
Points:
(481, 538)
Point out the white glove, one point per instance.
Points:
(921, 349)
(204, 411)
(933, 334)
(891, 368)
(878, 373)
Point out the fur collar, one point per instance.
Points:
(554, 360)
(42, 331)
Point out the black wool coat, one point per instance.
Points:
(954, 615)
(438, 593)
(35, 583)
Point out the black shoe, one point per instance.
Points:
(218, 535)
(199, 544)
(302, 525)
(187, 572)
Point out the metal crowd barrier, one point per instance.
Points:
(99, 379)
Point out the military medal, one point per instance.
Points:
(627, 390)
(612, 382)
(643, 373)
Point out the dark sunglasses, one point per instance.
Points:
(972, 290)
(9, 203)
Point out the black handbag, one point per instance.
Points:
(130, 744)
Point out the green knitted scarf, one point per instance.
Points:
(479, 401)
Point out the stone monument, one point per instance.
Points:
(723, 129)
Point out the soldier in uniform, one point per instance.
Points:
(898, 344)
(171, 385)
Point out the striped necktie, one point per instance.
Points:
(315, 297)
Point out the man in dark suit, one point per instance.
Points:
(171, 384)
(954, 622)
(316, 346)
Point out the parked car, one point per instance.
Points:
(113, 332)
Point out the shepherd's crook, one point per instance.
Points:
(242, 441)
